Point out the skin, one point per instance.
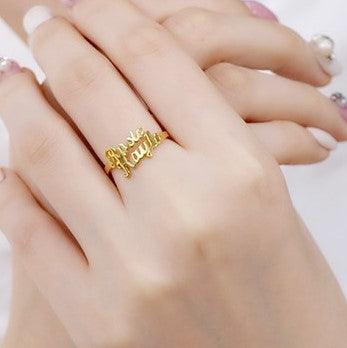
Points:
(212, 72)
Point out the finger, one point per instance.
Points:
(45, 151)
(50, 258)
(279, 137)
(261, 97)
(169, 81)
(290, 143)
(229, 38)
(161, 9)
(90, 89)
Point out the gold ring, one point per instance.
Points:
(139, 145)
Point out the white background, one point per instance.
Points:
(319, 191)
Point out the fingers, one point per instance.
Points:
(161, 9)
(46, 252)
(229, 38)
(46, 152)
(261, 97)
(290, 143)
(169, 81)
(91, 91)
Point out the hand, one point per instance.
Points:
(154, 263)
(278, 136)
(251, 94)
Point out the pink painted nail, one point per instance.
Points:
(260, 10)
(2, 175)
(341, 101)
(8, 67)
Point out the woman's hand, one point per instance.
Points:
(284, 138)
(224, 30)
(172, 257)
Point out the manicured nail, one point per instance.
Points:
(2, 175)
(323, 138)
(35, 17)
(8, 67)
(260, 10)
(341, 101)
(323, 47)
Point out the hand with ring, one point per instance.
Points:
(202, 234)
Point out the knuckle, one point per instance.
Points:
(40, 146)
(254, 179)
(80, 76)
(144, 40)
(193, 27)
(197, 228)
(155, 292)
(231, 79)
(190, 21)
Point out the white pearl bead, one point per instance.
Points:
(323, 45)
(4, 63)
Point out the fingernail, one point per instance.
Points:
(69, 3)
(35, 17)
(260, 10)
(8, 67)
(323, 138)
(323, 47)
(341, 101)
(2, 175)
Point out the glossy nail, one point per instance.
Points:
(35, 17)
(8, 67)
(341, 101)
(260, 10)
(323, 138)
(2, 175)
(323, 47)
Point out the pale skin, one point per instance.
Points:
(164, 285)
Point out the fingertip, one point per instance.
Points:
(35, 17)
(323, 138)
(321, 79)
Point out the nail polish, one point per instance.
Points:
(2, 175)
(341, 101)
(323, 138)
(323, 47)
(8, 67)
(261, 11)
(35, 17)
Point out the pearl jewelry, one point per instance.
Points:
(323, 45)
(4, 64)
(339, 99)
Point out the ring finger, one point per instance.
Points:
(91, 91)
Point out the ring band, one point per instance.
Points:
(139, 145)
